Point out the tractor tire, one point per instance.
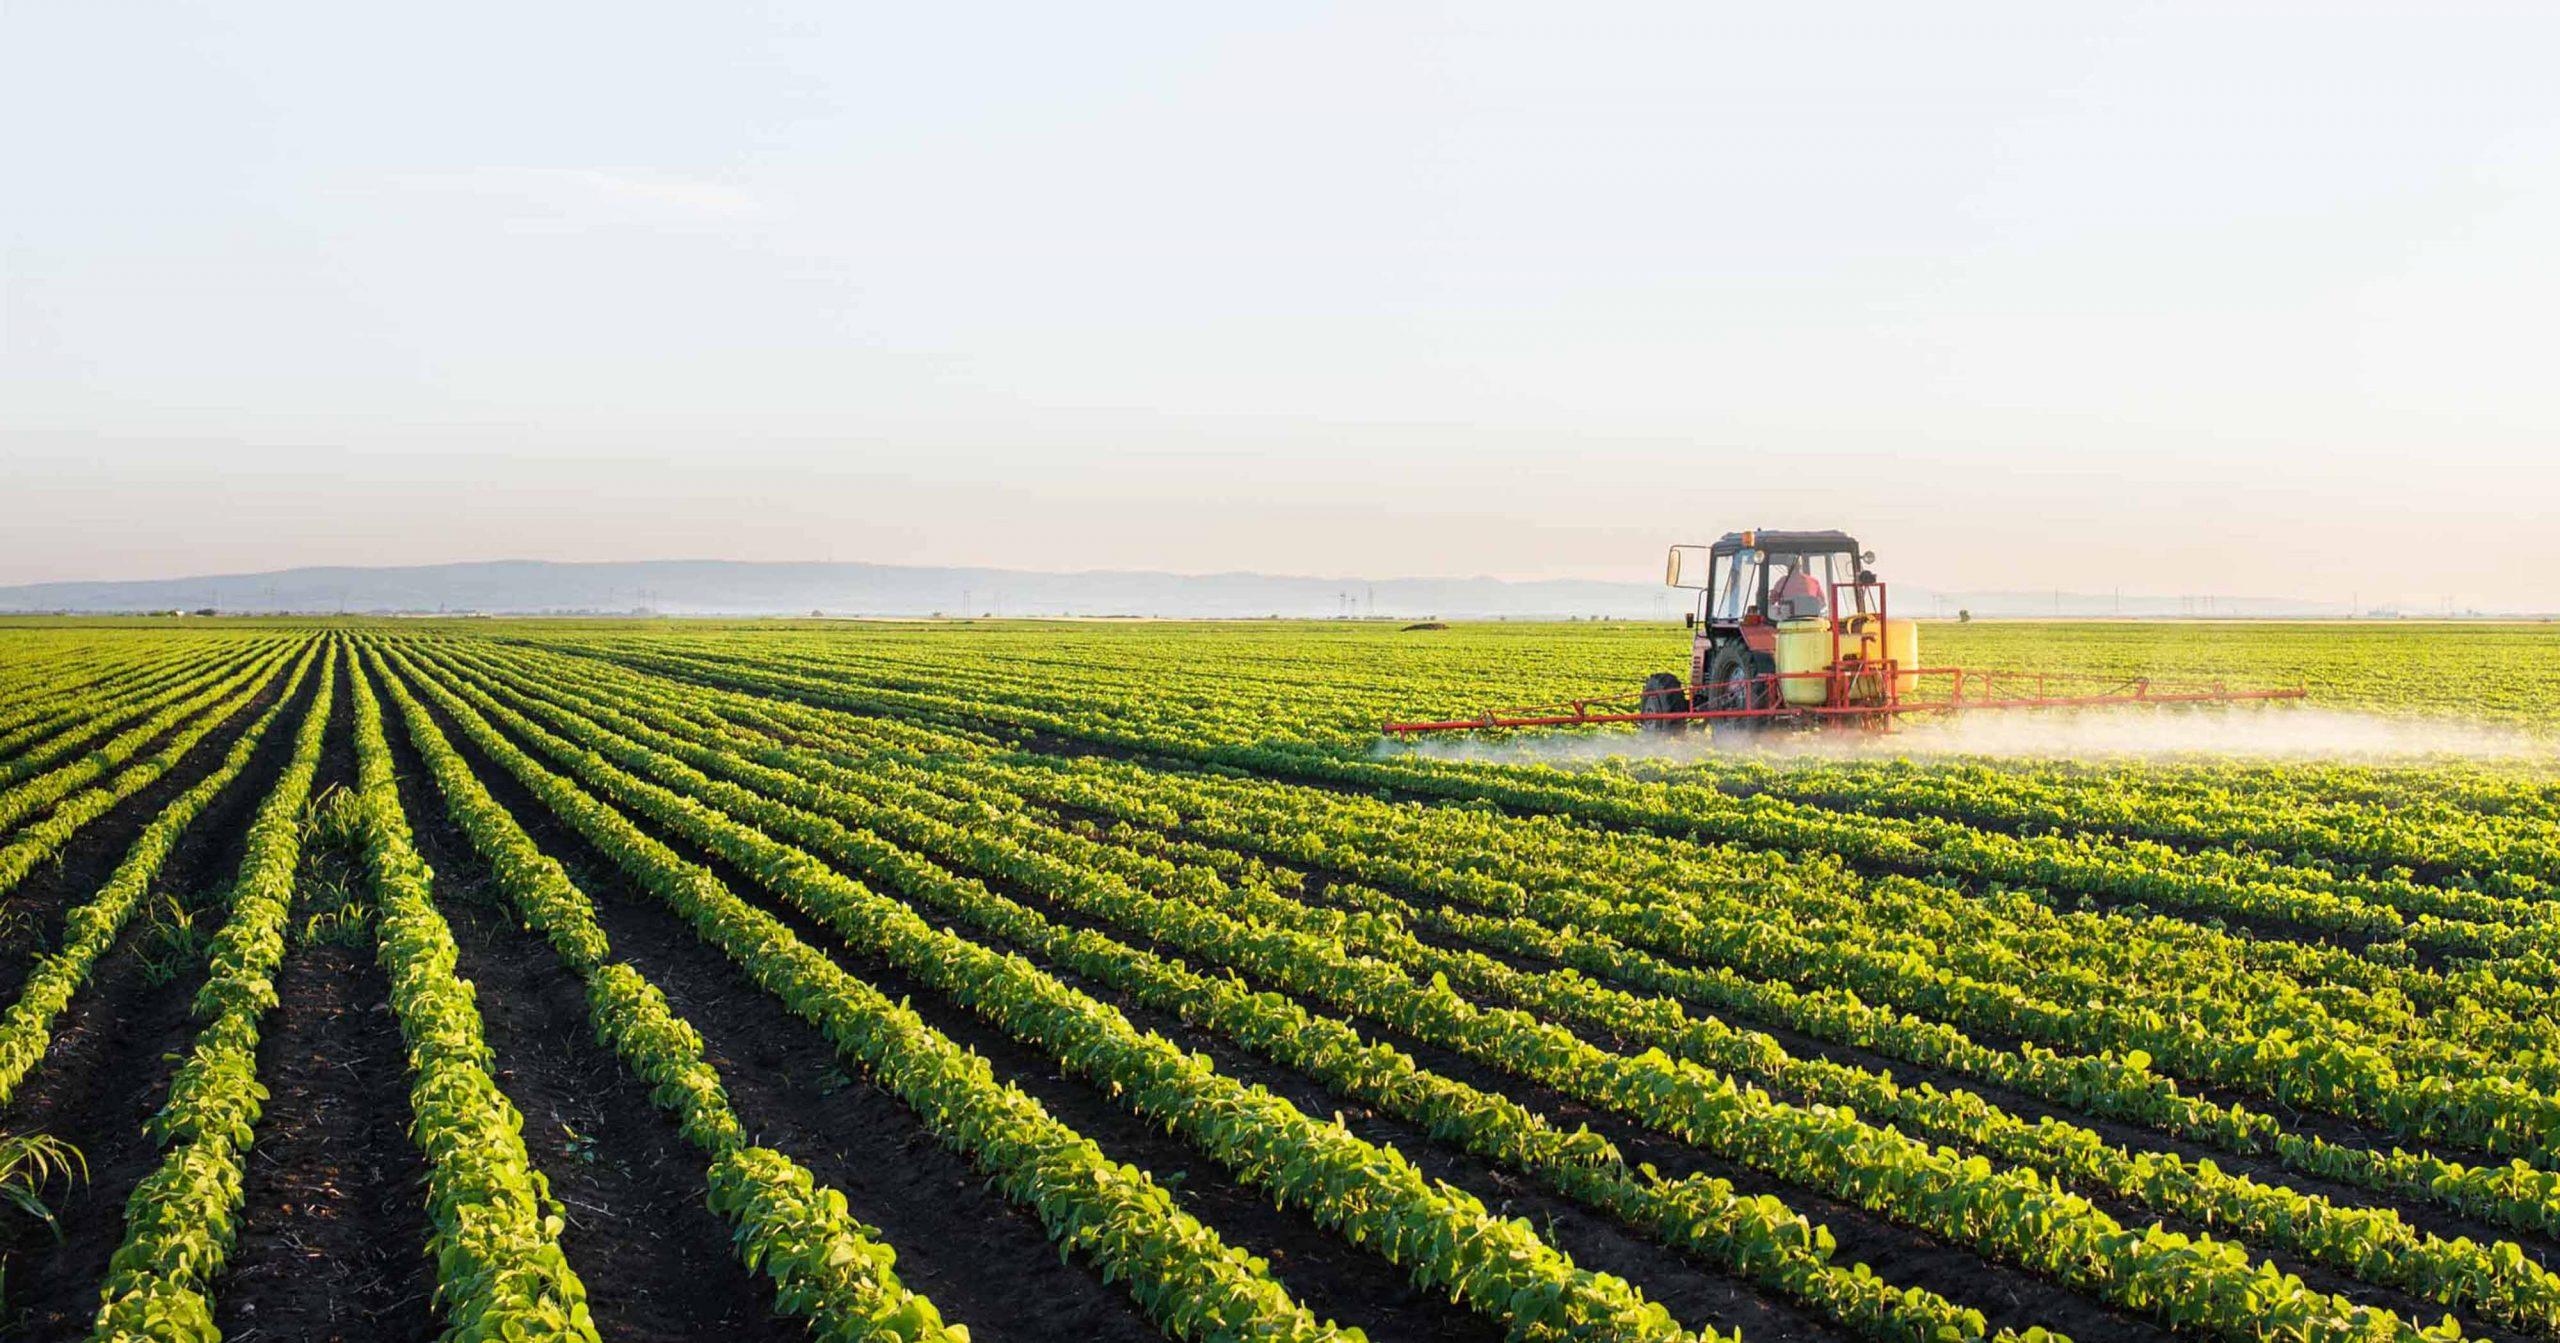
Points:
(1666, 693)
(1730, 686)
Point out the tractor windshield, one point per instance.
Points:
(1784, 585)
(1800, 586)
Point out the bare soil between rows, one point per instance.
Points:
(985, 1262)
(332, 1223)
(2426, 1216)
(1695, 1293)
(119, 1041)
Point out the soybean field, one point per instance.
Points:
(661, 980)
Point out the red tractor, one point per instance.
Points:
(1777, 613)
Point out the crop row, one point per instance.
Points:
(827, 1268)
(35, 718)
(1373, 1196)
(2442, 846)
(179, 1219)
(1756, 958)
(26, 1031)
(2215, 883)
(2171, 953)
(31, 793)
(493, 1225)
(2313, 1061)
(1757, 1236)
(2424, 1089)
(2358, 1239)
(2374, 1243)
(72, 700)
(95, 716)
(1113, 1215)
(2013, 1214)
(41, 839)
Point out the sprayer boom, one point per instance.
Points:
(1966, 690)
(1794, 628)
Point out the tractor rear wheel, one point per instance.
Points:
(1731, 685)
(1666, 693)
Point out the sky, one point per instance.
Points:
(2209, 298)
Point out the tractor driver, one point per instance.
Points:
(1798, 596)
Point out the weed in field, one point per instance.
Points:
(333, 829)
(346, 923)
(334, 821)
(340, 916)
(32, 1162)
(17, 924)
(173, 941)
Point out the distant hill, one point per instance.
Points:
(725, 587)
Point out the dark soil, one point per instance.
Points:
(110, 682)
(2341, 1131)
(2105, 1323)
(2008, 1297)
(108, 1070)
(656, 1260)
(985, 1262)
(1595, 1240)
(1331, 1276)
(74, 873)
(333, 1225)
(2427, 1217)
(1695, 1293)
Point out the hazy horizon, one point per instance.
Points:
(752, 587)
(2179, 299)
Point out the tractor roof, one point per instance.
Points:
(1797, 543)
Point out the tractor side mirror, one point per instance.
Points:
(1868, 558)
(1688, 620)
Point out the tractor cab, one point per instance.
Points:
(1757, 578)
(1757, 590)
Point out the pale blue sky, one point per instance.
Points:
(2167, 297)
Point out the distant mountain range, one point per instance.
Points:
(724, 587)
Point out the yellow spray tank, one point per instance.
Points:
(1805, 646)
(1877, 640)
